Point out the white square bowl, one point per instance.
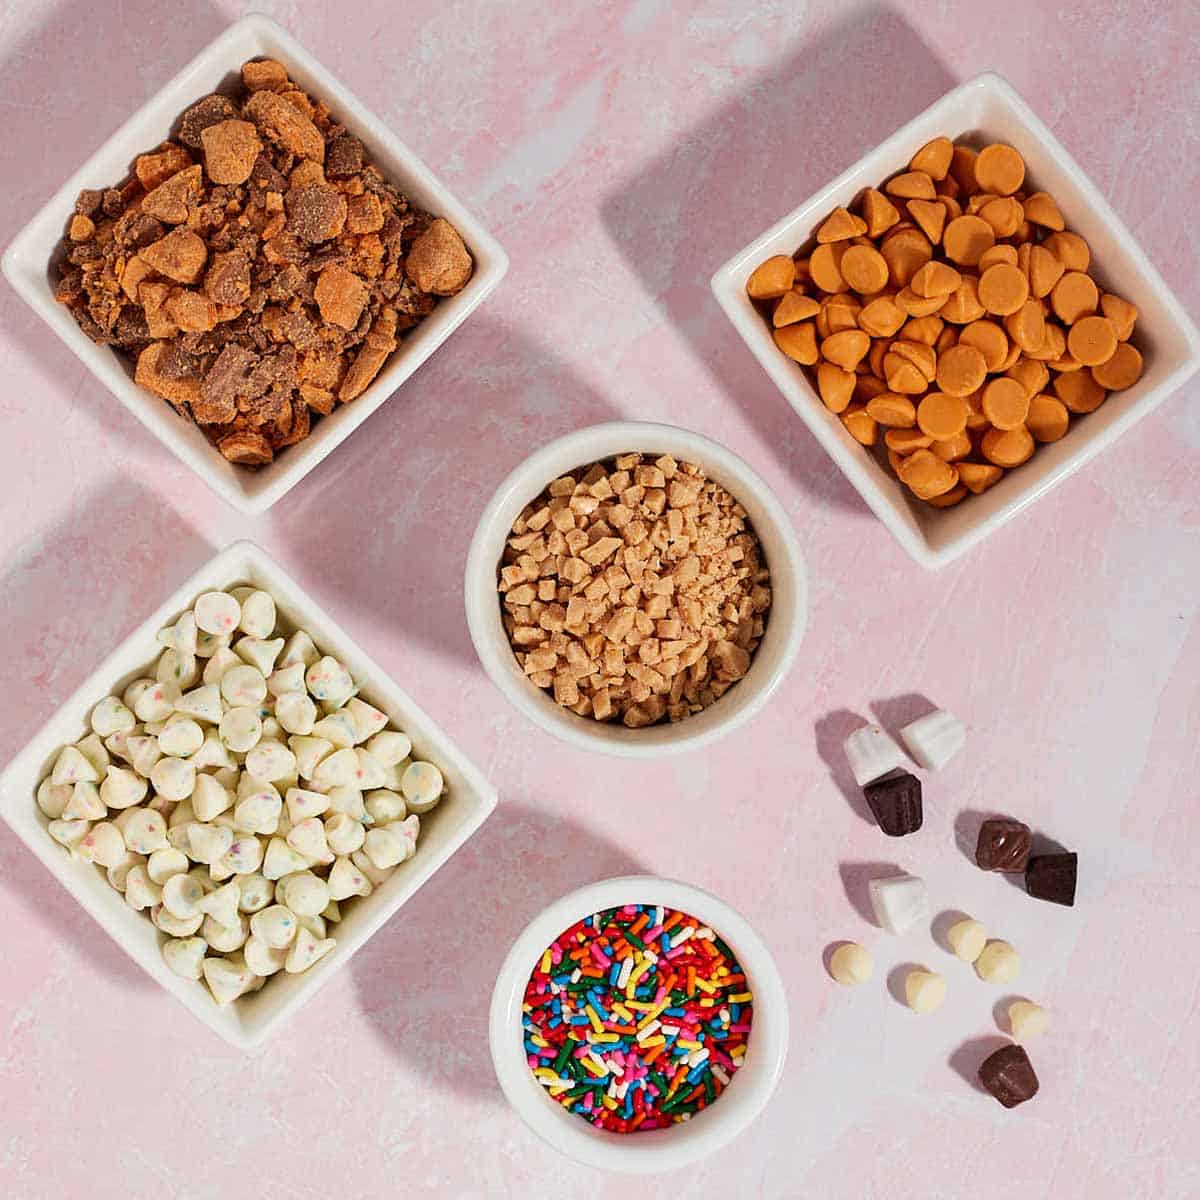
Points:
(468, 800)
(986, 109)
(26, 262)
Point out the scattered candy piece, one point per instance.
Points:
(1053, 877)
(1009, 1076)
(1027, 1019)
(851, 964)
(933, 740)
(895, 801)
(967, 939)
(924, 990)
(871, 754)
(899, 901)
(1003, 845)
(998, 962)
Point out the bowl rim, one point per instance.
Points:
(789, 587)
(251, 36)
(727, 287)
(659, 1150)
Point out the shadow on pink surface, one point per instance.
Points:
(790, 131)
(831, 732)
(419, 474)
(425, 981)
(966, 1059)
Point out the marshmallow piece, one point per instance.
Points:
(286, 680)
(208, 843)
(280, 860)
(871, 754)
(71, 767)
(241, 727)
(226, 980)
(329, 682)
(222, 904)
(309, 752)
(376, 875)
(259, 811)
(166, 863)
(244, 686)
(222, 660)
(181, 636)
(899, 902)
(202, 703)
(111, 716)
(1027, 1019)
(176, 671)
(207, 644)
(143, 753)
(225, 938)
(217, 612)
(299, 649)
(143, 829)
(271, 761)
(173, 926)
(209, 798)
(924, 991)
(998, 963)
(348, 800)
(339, 769)
(258, 653)
(156, 702)
(371, 772)
(102, 844)
(258, 615)
(140, 891)
(244, 857)
(343, 834)
(422, 786)
(338, 728)
(257, 892)
(933, 740)
(967, 939)
(305, 951)
(94, 750)
(181, 738)
(346, 880)
(368, 720)
(384, 806)
(303, 804)
(173, 778)
(275, 926)
(307, 896)
(295, 712)
(391, 747)
(185, 956)
(308, 838)
(214, 753)
(85, 803)
(851, 964)
(262, 959)
(122, 788)
(53, 797)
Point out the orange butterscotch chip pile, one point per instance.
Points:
(635, 590)
(955, 309)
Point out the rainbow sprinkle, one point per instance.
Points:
(636, 1018)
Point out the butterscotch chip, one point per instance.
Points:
(794, 306)
(999, 169)
(1092, 341)
(930, 216)
(171, 200)
(948, 499)
(978, 477)
(1007, 447)
(824, 267)
(940, 416)
(903, 375)
(860, 424)
(247, 447)
(1122, 370)
(1047, 418)
(961, 369)
(340, 295)
(1003, 214)
(1003, 289)
(317, 213)
(935, 279)
(1044, 271)
(1074, 296)
(976, 421)
(838, 313)
(840, 225)
(930, 331)
(266, 73)
(439, 261)
(1070, 250)
(1000, 253)
(847, 348)
(230, 148)
(917, 306)
(920, 355)
(880, 213)
(1052, 349)
(912, 185)
(963, 305)
(1079, 391)
(835, 385)
(180, 255)
(1027, 326)
(772, 278)
(1121, 313)
(926, 475)
(864, 269)
(1041, 209)
(1005, 403)
(989, 339)
(798, 342)
(1030, 374)
(952, 449)
(894, 411)
(154, 169)
(905, 441)
(962, 170)
(906, 251)
(966, 238)
(947, 338)
(933, 158)
(285, 125)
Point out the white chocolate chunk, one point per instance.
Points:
(390, 747)
(344, 834)
(1027, 1019)
(262, 958)
(71, 767)
(346, 880)
(102, 844)
(241, 728)
(924, 990)
(85, 803)
(185, 956)
(208, 843)
(202, 703)
(306, 951)
(422, 786)
(258, 615)
(871, 754)
(166, 863)
(851, 964)
(998, 963)
(967, 939)
(111, 716)
(899, 902)
(122, 788)
(276, 926)
(933, 740)
(280, 860)
(217, 612)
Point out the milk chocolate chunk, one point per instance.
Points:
(1052, 877)
(1009, 1076)
(1003, 845)
(895, 801)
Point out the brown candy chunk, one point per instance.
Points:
(245, 446)
(364, 214)
(170, 200)
(1053, 877)
(226, 380)
(201, 115)
(439, 261)
(179, 256)
(316, 213)
(1009, 1076)
(191, 311)
(228, 278)
(154, 371)
(285, 125)
(380, 342)
(895, 801)
(1003, 845)
(340, 295)
(266, 73)
(230, 151)
(156, 168)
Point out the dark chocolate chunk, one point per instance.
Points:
(1052, 877)
(896, 802)
(1003, 845)
(1009, 1076)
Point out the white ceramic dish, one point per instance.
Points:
(26, 261)
(468, 801)
(660, 1149)
(986, 109)
(785, 621)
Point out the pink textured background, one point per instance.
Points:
(621, 152)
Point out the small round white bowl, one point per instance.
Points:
(785, 621)
(661, 1149)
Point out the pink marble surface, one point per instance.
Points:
(621, 152)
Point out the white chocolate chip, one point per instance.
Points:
(296, 713)
(310, 752)
(94, 750)
(851, 964)
(376, 875)
(53, 797)
(202, 703)
(244, 857)
(371, 772)
(385, 848)
(122, 788)
(998, 963)
(166, 863)
(262, 958)
(208, 843)
(390, 747)
(176, 671)
(329, 682)
(308, 838)
(259, 811)
(299, 649)
(257, 892)
(343, 834)
(271, 761)
(346, 880)
(102, 844)
(214, 753)
(85, 803)
(339, 769)
(157, 702)
(258, 615)
(222, 904)
(348, 800)
(209, 798)
(422, 785)
(303, 804)
(924, 990)
(217, 613)
(241, 728)
(967, 939)
(221, 661)
(173, 926)
(226, 980)
(1027, 1019)
(276, 926)
(384, 806)
(173, 778)
(368, 720)
(243, 686)
(286, 680)
(185, 956)
(111, 716)
(140, 890)
(181, 738)
(338, 728)
(118, 874)
(225, 938)
(181, 894)
(280, 860)
(207, 644)
(307, 896)
(305, 951)
(258, 653)
(71, 767)
(144, 753)
(143, 829)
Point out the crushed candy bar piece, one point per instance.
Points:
(265, 73)
(191, 311)
(246, 447)
(154, 372)
(315, 213)
(231, 149)
(227, 280)
(340, 295)
(343, 156)
(285, 125)
(364, 214)
(169, 201)
(201, 115)
(180, 256)
(156, 168)
(81, 228)
(439, 262)
(379, 344)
